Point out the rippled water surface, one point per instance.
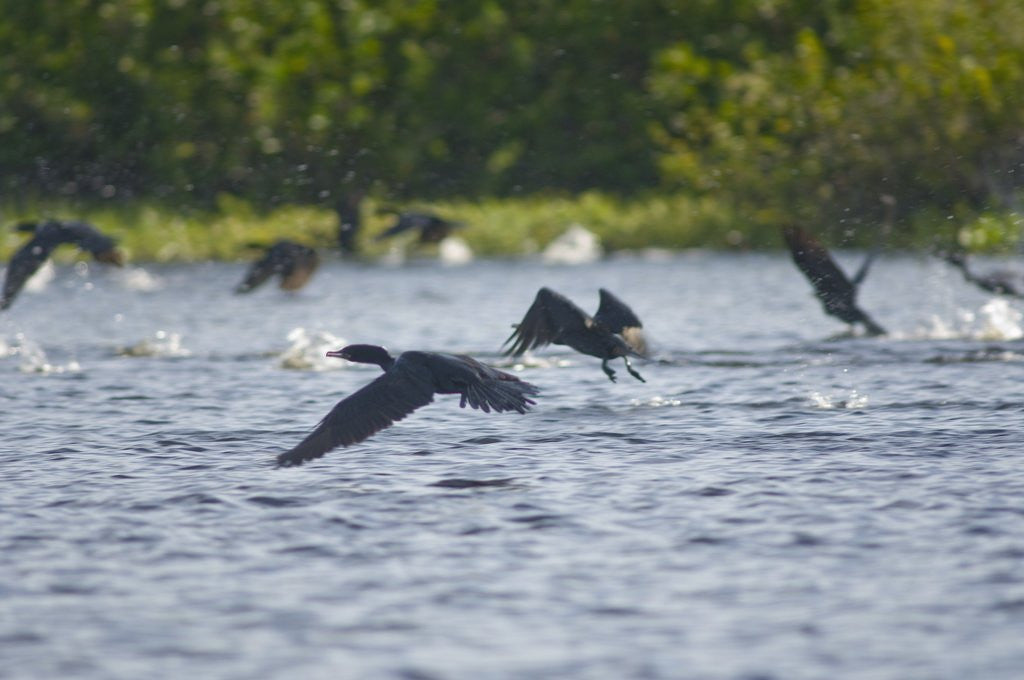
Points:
(774, 502)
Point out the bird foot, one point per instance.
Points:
(609, 372)
(632, 371)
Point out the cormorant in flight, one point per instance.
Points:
(410, 381)
(46, 236)
(998, 282)
(614, 331)
(431, 228)
(293, 262)
(838, 294)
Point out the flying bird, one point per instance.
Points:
(410, 381)
(293, 262)
(349, 222)
(614, 331)
(838, 294)
(46, 236)
(998, 282)
(431, 228)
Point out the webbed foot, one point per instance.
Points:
(632, 371)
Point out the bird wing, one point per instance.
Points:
(88, 238)
(546, 321)
(481, 386)
(406, 221)
(259, 271)
(300, 268)
(880, 238)
(363, 413)
(26, 262)
(817, 265)
(862, 271)
(616, 316)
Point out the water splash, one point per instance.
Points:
(160, 344)
(454, 251)
(307, 351)
(530, 361)
(41, 279)
(999, 321)
(854, 400)
(33, 357)
(138, 279)
(996, 320)
(657, 402)
(577, 245)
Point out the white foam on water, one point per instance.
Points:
(41, 279)
(577, 245)
(854, 400)
(657, 402)
(33, 357)
(160, 344)
(998, 321)
(453, 251)
(530, 361)
(308, 351)
(137, 278)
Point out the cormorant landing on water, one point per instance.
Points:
(431, 228)
(837, 293)
(410, 381)
(614, 331)
(293, 262)
(998, 282)
(46, 236)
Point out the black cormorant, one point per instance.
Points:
(998, 282)
(293, 262)
(431, 228)
(614, 331)
(410, 381)
(46, 236)
(349, 222)
(837, 293)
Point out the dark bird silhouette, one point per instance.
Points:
(431, 228)
(349, 222)
(410, 381)
(293, 262)
(46, 236)
(614, 331)
(838, 294)
(998, 282)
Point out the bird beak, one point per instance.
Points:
(339, 353)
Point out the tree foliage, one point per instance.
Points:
(788, 108)
(919, 100)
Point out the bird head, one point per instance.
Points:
(364, 354)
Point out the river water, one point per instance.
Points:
(775, 501)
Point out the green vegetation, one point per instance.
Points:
(493, 227)
(192, 127)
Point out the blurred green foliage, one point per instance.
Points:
(740, 115)
(154, 231)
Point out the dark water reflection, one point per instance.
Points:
(773, 503)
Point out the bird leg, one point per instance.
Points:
(632, 372)
(608, 370)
